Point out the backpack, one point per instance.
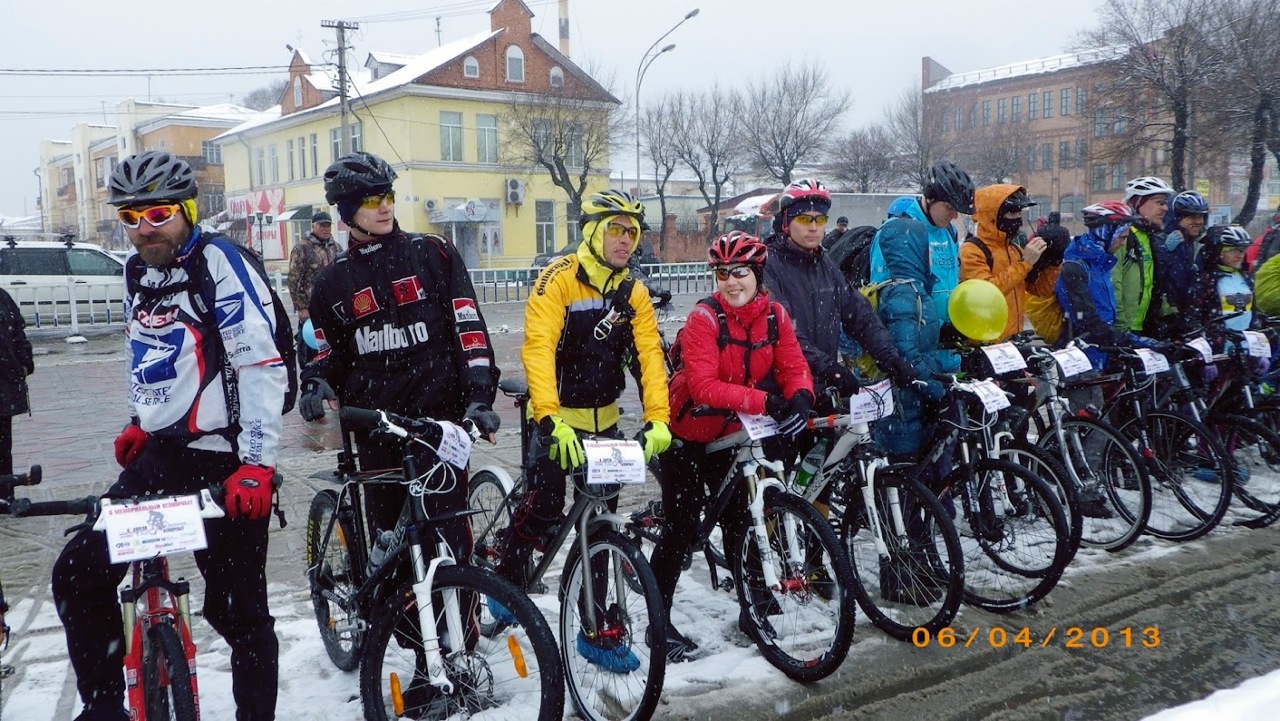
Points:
(723, 339)
(1269, 247)
(200, 284)
(852, 254)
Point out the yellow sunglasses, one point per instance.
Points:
(373, 202)
(156, 215)
(613, 230)
(811, 219)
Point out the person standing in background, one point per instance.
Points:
(309, 256)
(16, 363)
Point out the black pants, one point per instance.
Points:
(6, 450)
(235, 596)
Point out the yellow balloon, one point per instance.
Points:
(978, 310)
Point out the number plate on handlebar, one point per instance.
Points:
(455, 445)
(992, 397)
(614, 461)
(1072, 361)
(1005, 358)
(140, 530)
(871, 403)
(1259, 346)
(1152, 362)
(758, 426)
(1203, 347)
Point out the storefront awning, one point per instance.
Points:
(296, 213)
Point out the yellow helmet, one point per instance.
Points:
(611, 202)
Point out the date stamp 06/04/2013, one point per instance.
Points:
(1069, 637)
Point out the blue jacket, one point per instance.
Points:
(944, 252)
(1086, 294)
(910, 317)
(1176, 269)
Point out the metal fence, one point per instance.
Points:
(513, 285)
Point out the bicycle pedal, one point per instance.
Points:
(537, 588)
(726, 585)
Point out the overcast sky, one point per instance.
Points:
(872, 48)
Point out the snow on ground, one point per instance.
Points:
(1254, 700)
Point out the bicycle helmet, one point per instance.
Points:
(1233, 236)
(1189, 202)
(798, 197)
(737, 247)
(947, 182)
(357, 175)
(151, 177)
(599, 206)
(1143, 187)
(1110, 212)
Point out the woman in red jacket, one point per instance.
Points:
(738, 352)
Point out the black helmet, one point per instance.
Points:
(357, 175)
(149, 177)
(1017, 200)
(949, 183)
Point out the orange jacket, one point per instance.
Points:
(1008, 271)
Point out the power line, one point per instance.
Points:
(137, 72)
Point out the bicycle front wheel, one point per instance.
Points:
(330, 573)
(804, 624)
(612, 629)
(918, 580)
(513, 675)
(1255, 452)
(167, 678)
(1190, 472)
(1051, 471)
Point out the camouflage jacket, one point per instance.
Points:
(309, 257)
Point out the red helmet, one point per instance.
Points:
(805, 189)
(736, 247)
(1109, 212)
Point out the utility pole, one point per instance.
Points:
(439, 41)
(342, 26)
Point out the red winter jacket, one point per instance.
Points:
(719, 378)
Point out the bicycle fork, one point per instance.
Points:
(757, 485)
(869, 471)
(424, 580)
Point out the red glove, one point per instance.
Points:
(129, 444)
(249, 492)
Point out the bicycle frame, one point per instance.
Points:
(855, 441)
(162, 601)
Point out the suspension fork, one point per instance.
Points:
(892, 497)
(424, 574)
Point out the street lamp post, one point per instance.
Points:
(645, 61)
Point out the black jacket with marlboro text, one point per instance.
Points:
(400, 330)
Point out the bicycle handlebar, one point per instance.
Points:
(27, 508)
(30, 478)
(396, 425)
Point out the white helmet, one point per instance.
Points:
(1144, 186)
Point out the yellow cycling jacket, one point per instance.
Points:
(574, 374)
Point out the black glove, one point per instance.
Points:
(795, 415)
(486, 420)
(1056, 240)
(776, 406)
(315, 391)
(903, 374)
(843, 380)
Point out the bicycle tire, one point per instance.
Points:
(802, 607)
(335, 575)
(1110, 470)
(164, 656)
(1183, 507)
(927, 565)
(1016, 558)
(1051, 471)
(626, 632)
(1254, 449)
(488, 495)
(493, 674)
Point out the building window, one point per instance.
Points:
(335, 142)
(99, 172)
(959, 117)
(1071, 204)
(1064, 154)
(357, 138)
(1033, 156)
(211, 151)
(470, 67)
(261, 156)
(1048, 104)
(1082, 153)
(288, 151)
(450, 136)
(1081, 96)
(973, 115)
(1017, 108)
(297, 91)
(273, 158)
(1046, 159)
(574, 155)
(544, 223)
(1002, 107)
(315, 154)
(302, 156)
(946, 121)
(1064, 105)
(1099, 123)
(486, 138)
(1033, 111)
(986, 112)
(1099, 178)
(1117, 176)
(557, 77)
(1118, 123)
(515, 64)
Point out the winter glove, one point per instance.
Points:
(843, 380)
(249, 492)
(796, 414)
(315, 391)
(775, 406)
(931, 390)
(565, 447)
(656, 437)
(129, 444)
(485, 419)
(904, 374)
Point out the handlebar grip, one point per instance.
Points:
(26, 508)
(947, 378)
(362, 417)
(30, 478)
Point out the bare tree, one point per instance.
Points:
(708, 140)
(991, 154)
(790, 117)
(864, 160)
(658, 134)
(265, 97)
(917, 136)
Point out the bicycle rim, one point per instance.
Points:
(488, 496)
(614, 666)
(805, 627)
(168, 691)
(333, 578)
(514, 675)
(1255, 452)
(1048, 469)
(1189, 469)
(919, 581)
(1112, 477)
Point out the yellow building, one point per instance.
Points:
(439, 119)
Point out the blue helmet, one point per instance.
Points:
(1189, 202)
(900, 206)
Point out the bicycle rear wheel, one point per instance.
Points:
(1189, 471)
(1255, 451)
(512, 675)
(489, 496)
(167, 679)
(1051, 471)
(613, 645)
(919, 581)
(805, 625)
(331, 577)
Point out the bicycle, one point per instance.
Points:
(624, 617)
(159, 652)
(32, 477)
(410, 619)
